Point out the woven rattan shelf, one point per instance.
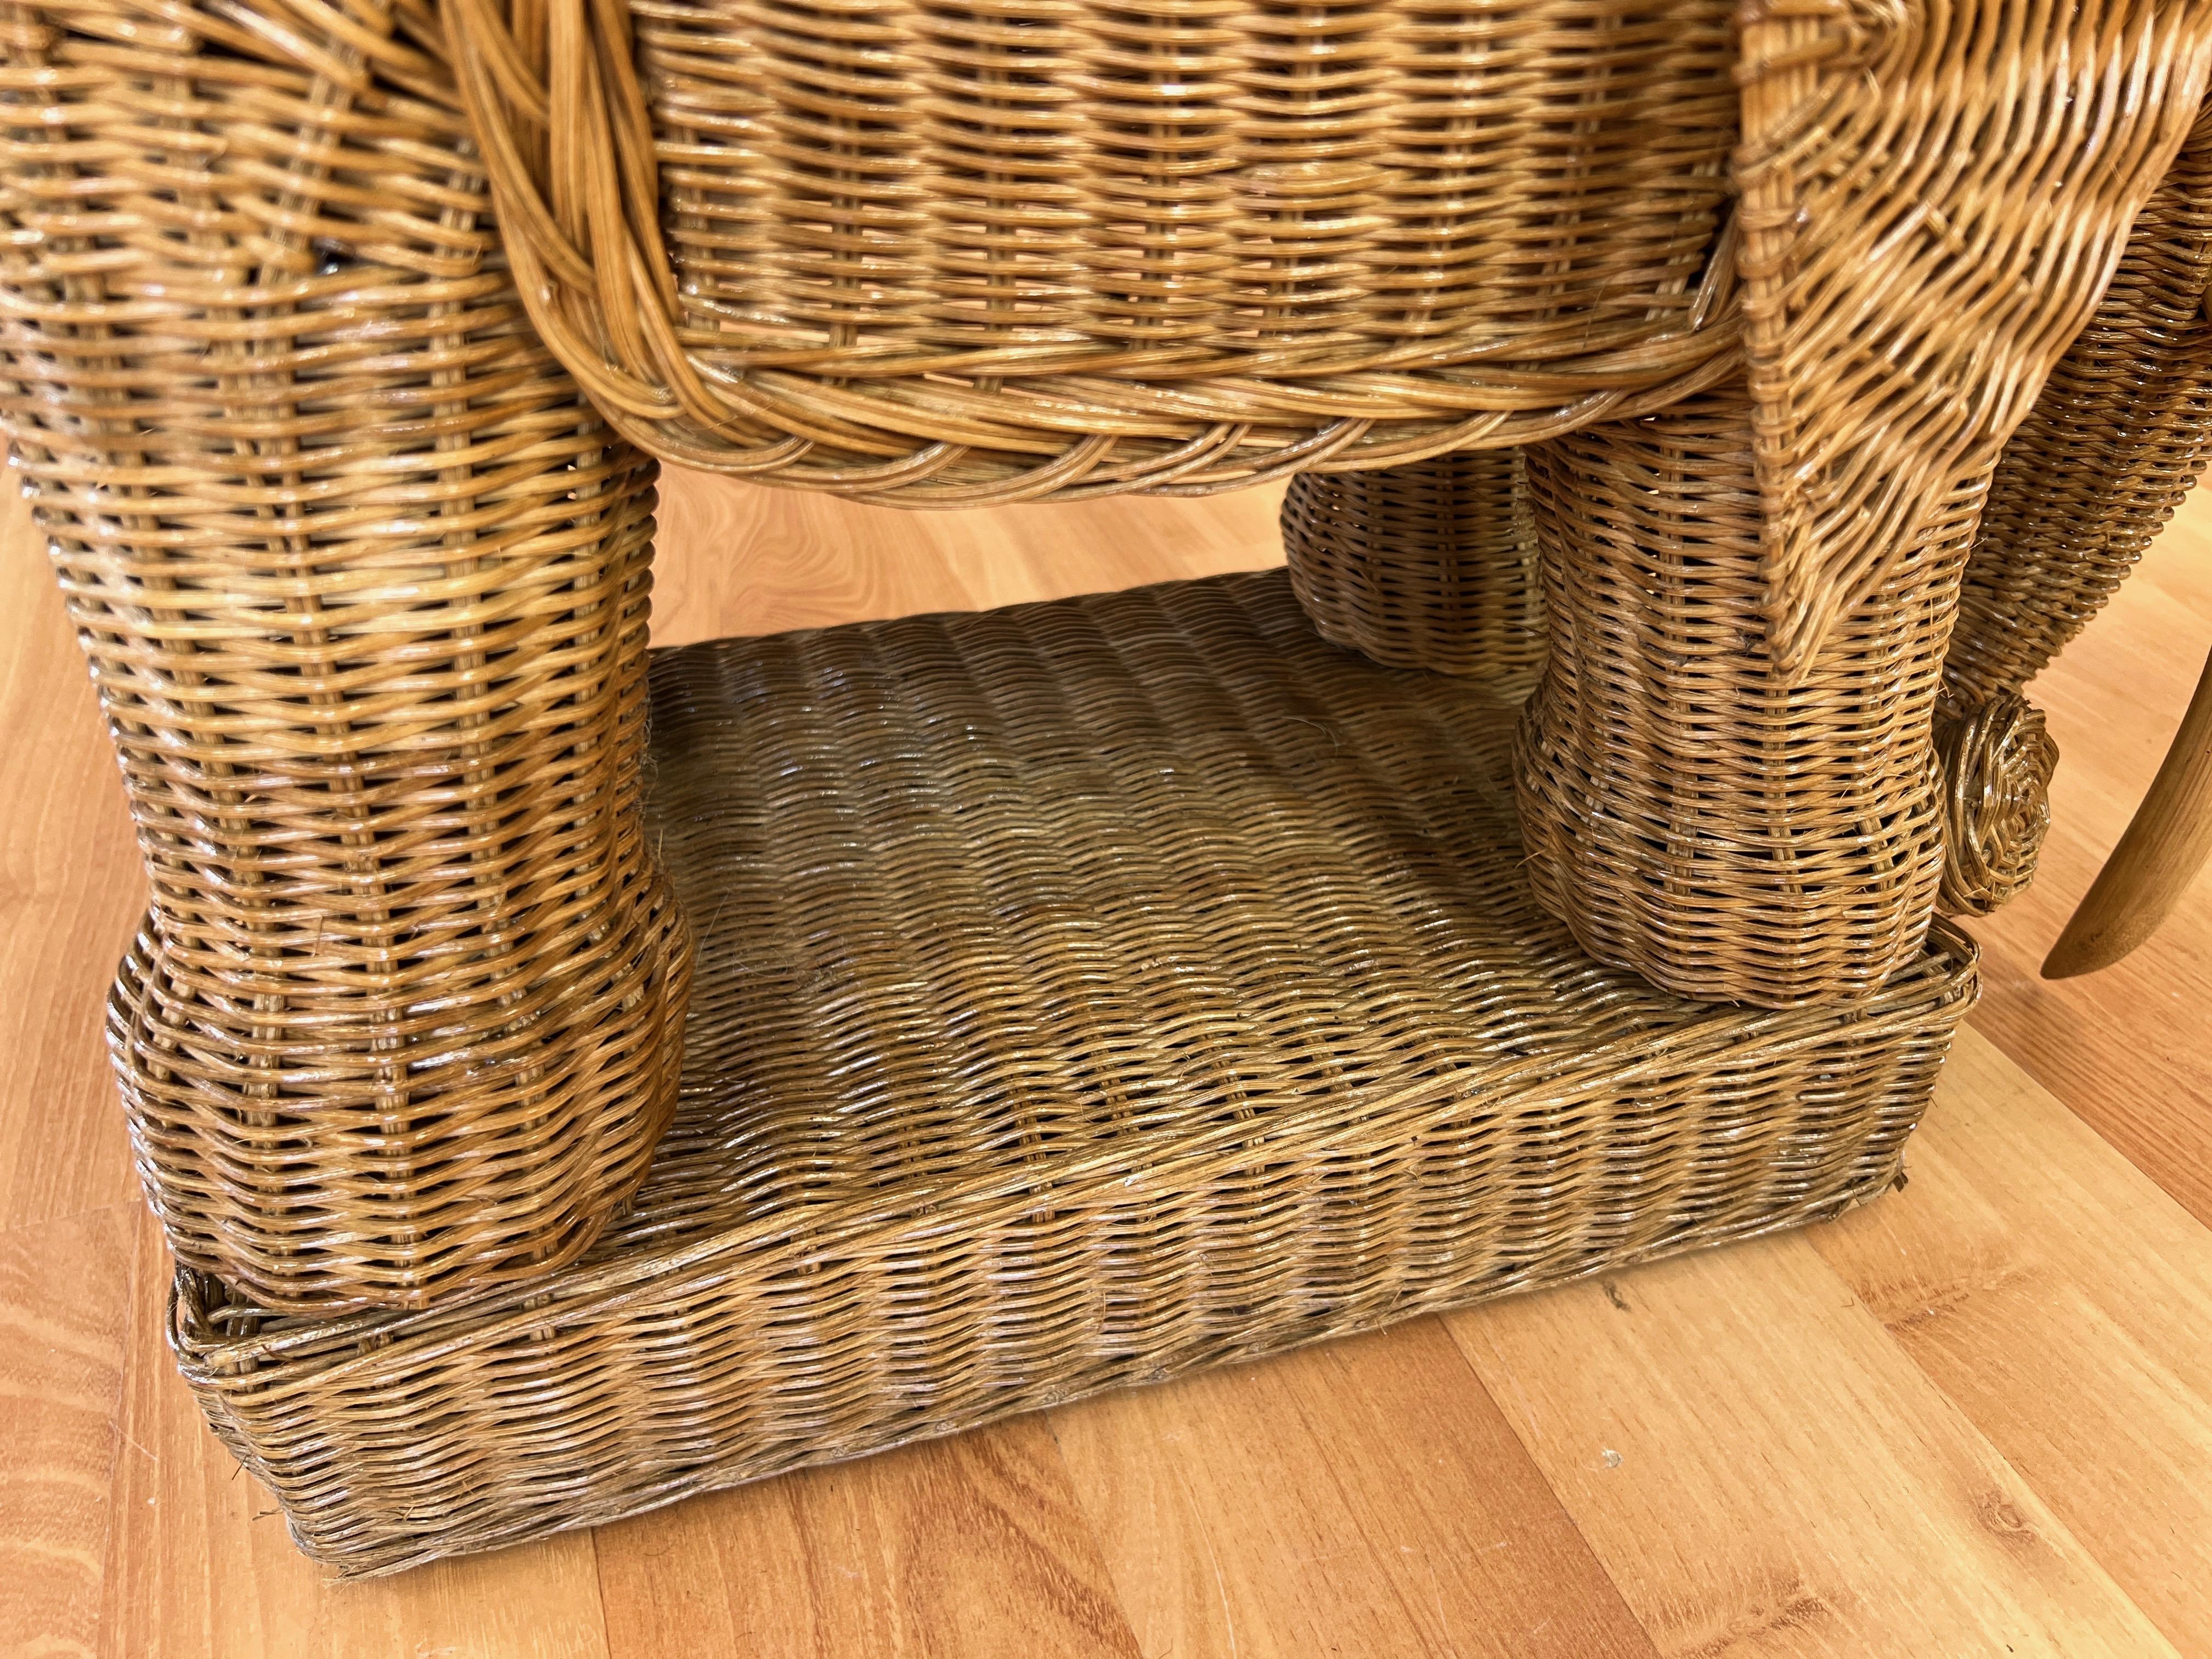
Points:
(1085, 991)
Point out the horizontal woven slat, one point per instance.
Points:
(1059, 247)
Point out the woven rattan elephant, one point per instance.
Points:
(337, 470)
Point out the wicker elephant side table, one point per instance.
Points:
(571, 1077)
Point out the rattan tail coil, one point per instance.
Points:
(1729, 834)
(1063, 248)
(364, 585)
(2115, 441)
(1429, 565)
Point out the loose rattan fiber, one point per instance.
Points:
(1429, 565)
(1691, 813)
(1057, 247)
(364, 585)
(2115, 441)
(1086, 992)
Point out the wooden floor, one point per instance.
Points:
(1975, 1418)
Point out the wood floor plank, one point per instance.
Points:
(972, 1546)
(199, 1566)
(1968, 1420)
(1763, 1472)
(735, 559)
(71, 891)
(64, 1287)
(1363, 1497)
(2125, 1049)
(2087, 1367)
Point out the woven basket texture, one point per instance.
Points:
(1090, 991)
(1727, 833)
(1932, 198)
(364, 585)
(2116, 441)
(1429, 565)
(957, 255)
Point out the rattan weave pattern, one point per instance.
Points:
(1086, 992)
(1933, 197)
(364, 584)
(1728, 832)
(2114, 442)
(1429, 565)
(950, 255)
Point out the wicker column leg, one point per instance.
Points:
(1428, 565)
(363, 581)
(2116, 439)
(1688, 815)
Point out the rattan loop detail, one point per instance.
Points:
(1998, 763)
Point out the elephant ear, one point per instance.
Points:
(1934, 194)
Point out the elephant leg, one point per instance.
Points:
(1432, 564)
(364, 585)
(2114, 442)
(1688, 813)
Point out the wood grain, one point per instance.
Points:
(967, 1547)
(2088, 1369)
(1365, 1497)
(70, 892)
(65, 1289)
(1762, 1471)
(1968, 1418)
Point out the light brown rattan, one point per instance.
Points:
(364, 585)
(1093, 991)
(1428, 565)
(1059, 247)
(1691, 814)
(2115, 441)
(1933, 197)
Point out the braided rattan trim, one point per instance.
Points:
(1932, 198)
(1092, 990)
(945, 258)
(1429, 565)
(1690, 813)
(364, 583)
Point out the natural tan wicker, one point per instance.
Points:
(1933, 197)
(364, 584)
(1691, 814)
(1094, 990)
(2115, 441)
(1428, 565)
(1059, 247)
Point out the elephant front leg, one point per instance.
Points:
(1688, 813)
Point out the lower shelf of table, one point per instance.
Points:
(1087, 991)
